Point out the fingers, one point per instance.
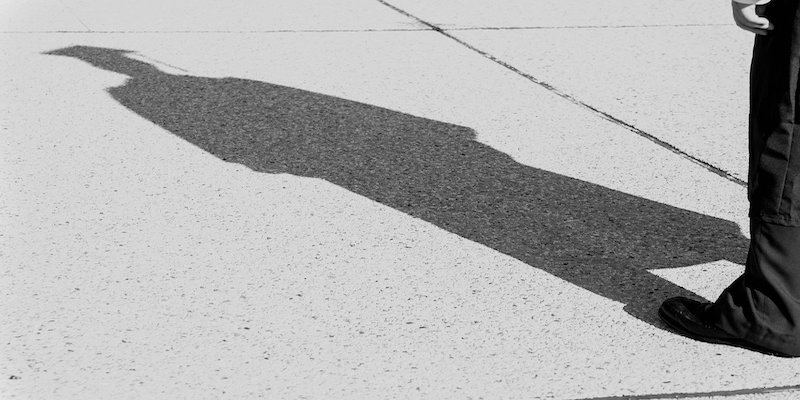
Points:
(747, 19)
(755, 29)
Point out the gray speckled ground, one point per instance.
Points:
(292, 200)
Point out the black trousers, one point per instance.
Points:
(763, 305)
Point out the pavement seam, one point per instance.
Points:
(427, 28)
(718, 394)
(512, 28)
(602, 114)
(236, 32)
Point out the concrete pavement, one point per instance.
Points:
(364, 199)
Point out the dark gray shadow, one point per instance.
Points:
(599, 239)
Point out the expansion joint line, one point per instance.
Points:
(602, 114)
(718, 394)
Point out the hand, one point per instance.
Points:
(747, 19)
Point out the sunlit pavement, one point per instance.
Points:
(370, 199)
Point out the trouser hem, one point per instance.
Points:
(776, 219)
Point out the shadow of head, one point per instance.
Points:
(599, 239)
(108, 59)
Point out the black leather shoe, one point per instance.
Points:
(686, 316)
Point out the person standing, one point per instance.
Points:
(761, 309)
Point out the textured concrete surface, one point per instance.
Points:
(207, 15)
(666, 81)
(566, 13)
(37, 15)
(343, 215)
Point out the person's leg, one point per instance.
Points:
(762, 306)
(774, 141)
(761, 309)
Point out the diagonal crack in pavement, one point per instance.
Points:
(600, 113)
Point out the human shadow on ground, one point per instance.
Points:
(596, 238)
